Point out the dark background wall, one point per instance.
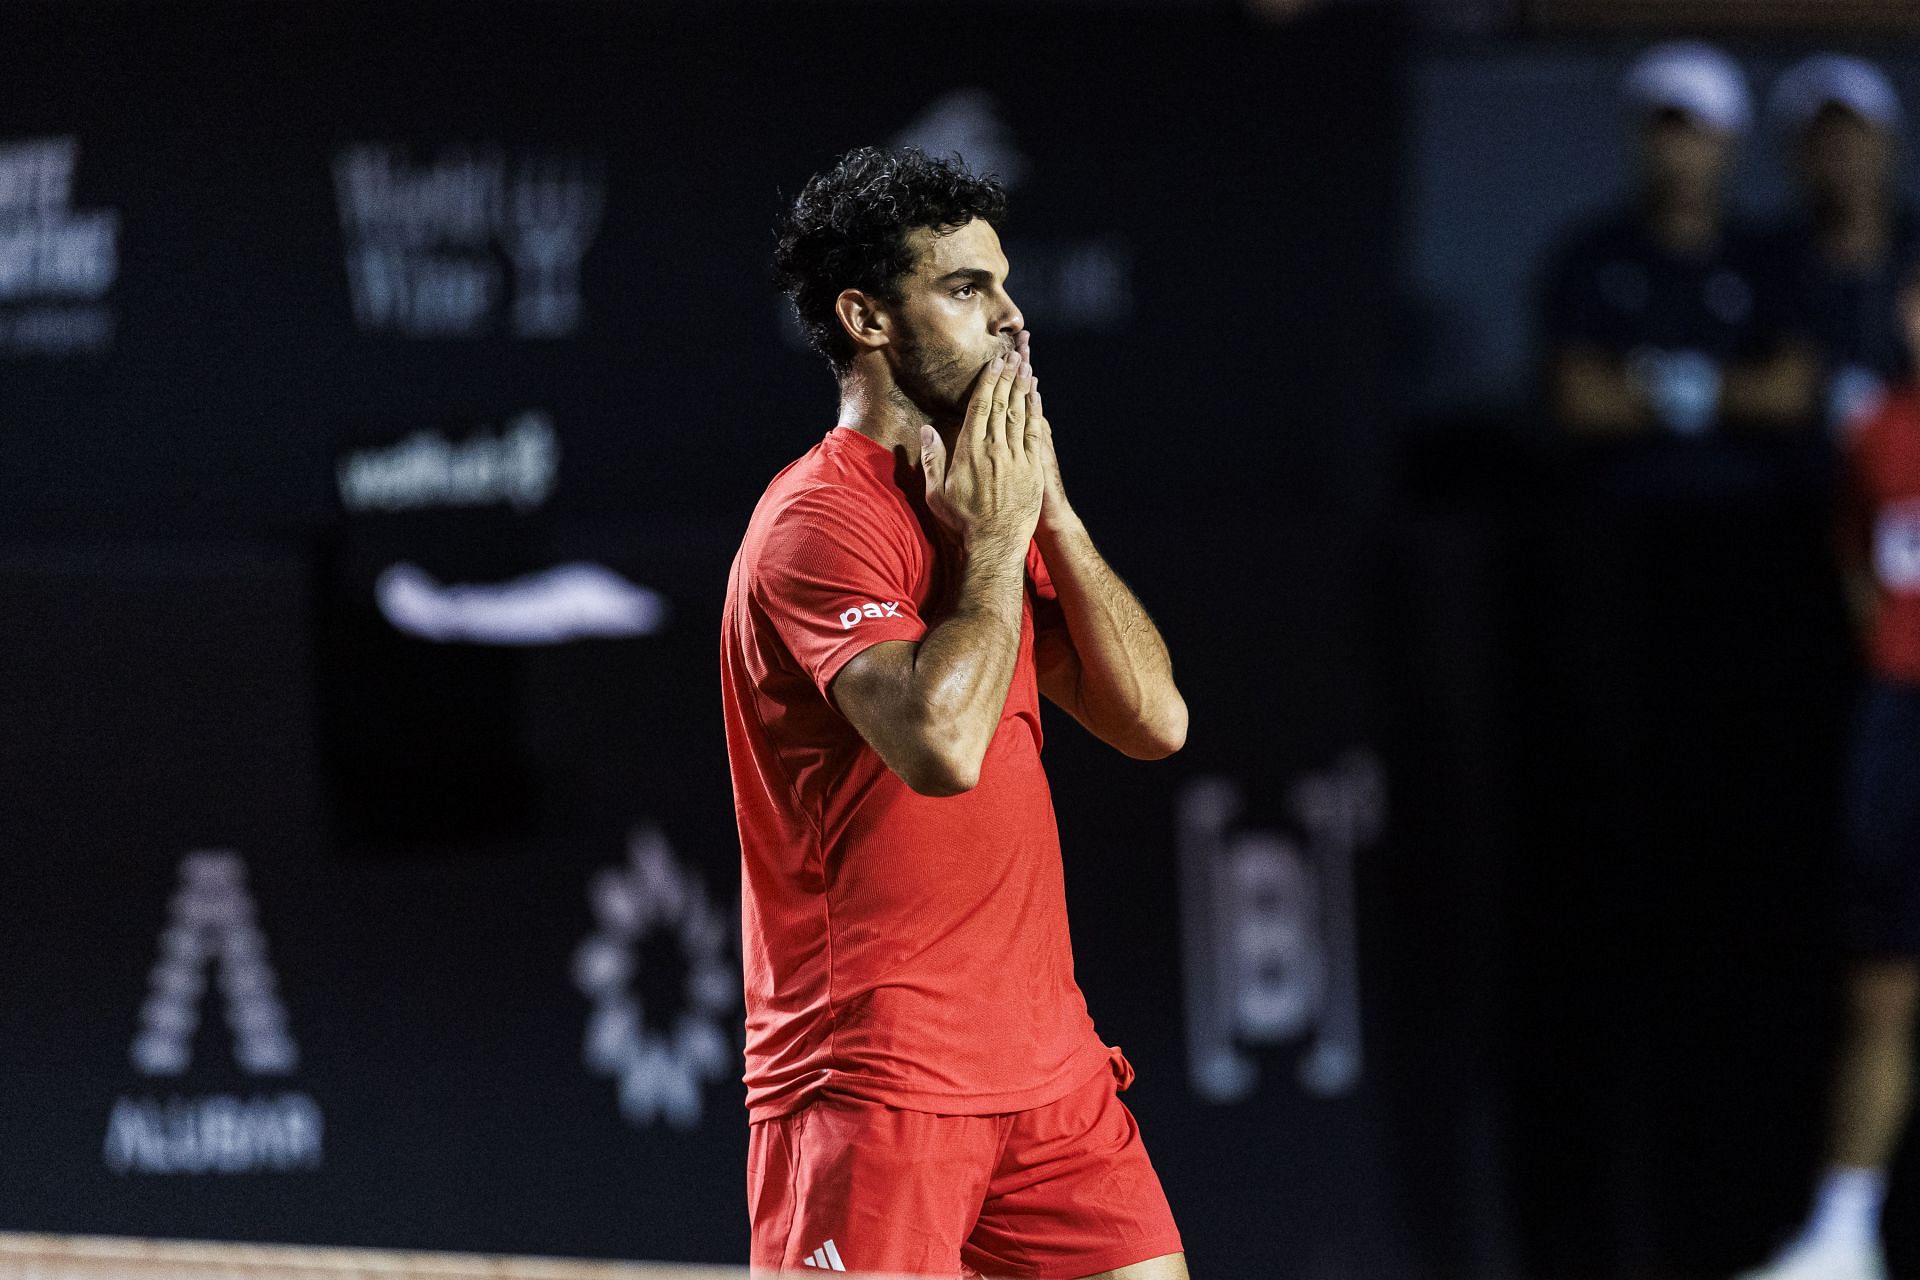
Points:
(338, 908)
(384, 391)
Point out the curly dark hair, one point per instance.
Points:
(848, 229)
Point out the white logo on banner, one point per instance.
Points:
(56, 262)
(661, 1072)
(518, 467)
(1270, 937)
(1063, 285)
(475, 241)
(575, 601)
(212, 927)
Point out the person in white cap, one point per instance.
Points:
(1656, 320)
(1668, 363)
(1853, 256)
(1842, 249)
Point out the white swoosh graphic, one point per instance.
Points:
(571, 601)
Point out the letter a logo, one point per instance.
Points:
(211, 922)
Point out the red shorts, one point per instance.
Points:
(1053, 1193)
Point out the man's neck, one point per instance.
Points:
(875, 407)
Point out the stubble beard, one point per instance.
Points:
(929, 379)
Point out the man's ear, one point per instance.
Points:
(865, 319)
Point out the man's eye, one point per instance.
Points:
(964, 291)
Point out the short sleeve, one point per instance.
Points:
(834, 577)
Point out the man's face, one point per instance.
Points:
(953, 316)
(1683, 156)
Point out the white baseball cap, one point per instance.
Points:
(1834, 79)
(1690, 76)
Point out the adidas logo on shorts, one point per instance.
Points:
(827, 1258)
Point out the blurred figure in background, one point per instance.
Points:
(1840, 252)
(1658, 318)
(1880, 550)
(1692, 658)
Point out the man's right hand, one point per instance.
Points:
(988, 491)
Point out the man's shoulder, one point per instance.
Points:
(811, 511)
(824, 503)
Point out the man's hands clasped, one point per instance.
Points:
(1055, 515)
(989, 490)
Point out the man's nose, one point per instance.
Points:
(1011, 321)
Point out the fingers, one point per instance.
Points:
(1006, 371)
(980, 404)
(933, 460)
(1017, 406)
(1037, 434)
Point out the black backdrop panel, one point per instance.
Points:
(438, 325)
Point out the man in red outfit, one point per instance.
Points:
(1873, 1083)
(927, 1094)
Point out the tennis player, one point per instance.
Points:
(926, 1092)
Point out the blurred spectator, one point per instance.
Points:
(1880, 546)
(1691, 651)
(1658, 319)
(1841, 249)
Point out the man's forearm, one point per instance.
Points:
(1125, 692)
(964, 666)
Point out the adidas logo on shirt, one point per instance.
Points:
(827, 1258)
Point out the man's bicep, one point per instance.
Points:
(874, 690)
(872, 685)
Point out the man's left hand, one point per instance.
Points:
(1055, 512)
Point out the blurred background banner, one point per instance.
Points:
(385, 389)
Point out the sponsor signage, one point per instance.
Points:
(1270, 929)
(58, 262)
(470, 241)
(662, 1057)
(515, 467)
(213, 933)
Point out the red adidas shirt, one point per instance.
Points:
(898, 948)
(1882, 518)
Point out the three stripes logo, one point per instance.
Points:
(827, 1258)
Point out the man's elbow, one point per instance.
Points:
(940, 780)
(1159, 735)
(941, 766)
